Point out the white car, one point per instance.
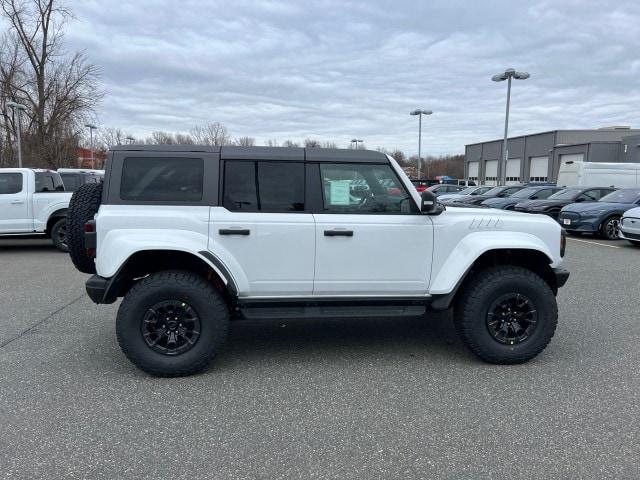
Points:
(467, 191)
(33, 202)
(630, 226)
(193, 237)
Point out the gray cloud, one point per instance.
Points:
(333, 70)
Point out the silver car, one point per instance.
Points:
(630, 226)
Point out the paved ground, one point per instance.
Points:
(337, 399)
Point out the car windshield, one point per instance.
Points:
(525, 193)
(480, 190)
(468, 191)
(494, 191)
(622, 196)
(567, 194)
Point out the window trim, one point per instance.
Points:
(255, 161)
(320, 210)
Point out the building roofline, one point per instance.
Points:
(632, 131)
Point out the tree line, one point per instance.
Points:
(61, 91)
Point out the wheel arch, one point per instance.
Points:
(531, 259)
(145, 262)
(55, 216)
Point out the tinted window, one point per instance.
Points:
(568, 194)
(162, 179)
(71, 181)
(363, 188)
(622, 196)
(525, 193)
(279, 186)
(10, 183)
(48, 182)
(543, 194)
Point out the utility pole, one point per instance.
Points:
(20, 108)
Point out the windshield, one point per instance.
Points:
(480, 190)
(566, 194)
(468, 190)
(622, 196)
(494, 191)
(525, 193)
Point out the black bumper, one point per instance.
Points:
(98, 288)
(562, 275)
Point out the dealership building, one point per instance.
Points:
(537, 157)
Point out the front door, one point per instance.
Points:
(370, 237)
(262, 232)
(14, 206)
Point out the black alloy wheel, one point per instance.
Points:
(512, 318)
(611, 228)
(171, 327)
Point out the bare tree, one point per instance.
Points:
(310, 143)
(245, 141)
(211, 134)
(271, 143)
(59, 90)
(160, 138)
(290, 143)
(184, 139)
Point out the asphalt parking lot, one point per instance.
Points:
(330, 399)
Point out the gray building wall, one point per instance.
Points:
(604, 145)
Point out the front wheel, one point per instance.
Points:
(59, 235)
(506, 315)
(610, 228)
(172, 323)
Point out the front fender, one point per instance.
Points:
(472, 246)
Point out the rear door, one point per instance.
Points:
(370, 238)
(262, 229)
(14, 205)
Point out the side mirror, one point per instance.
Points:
(429, 204)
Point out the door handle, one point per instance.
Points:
(338, 233)
(17, 202)
(234, 231)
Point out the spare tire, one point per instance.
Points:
(83, 206)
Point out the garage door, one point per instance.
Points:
(473, 171)
(539, 169)
(513, 171)
(491, 172)
(571, 157)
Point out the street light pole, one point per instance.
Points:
(355, 142)
(420, 113)
(20, 108)
(507, 75)
(91, 129)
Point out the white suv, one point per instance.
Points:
(193, 237)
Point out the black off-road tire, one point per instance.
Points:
(174, 285)
(83, 206)
(610, 227)
(59, 234)
(475, 300)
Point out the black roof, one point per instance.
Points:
(265, 153)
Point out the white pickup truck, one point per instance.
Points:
(33, 202)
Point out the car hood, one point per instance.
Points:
(500, 201)
(543, 203)
(633, 213)
(606, 206)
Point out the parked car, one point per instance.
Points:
(224, 255)
(529, 193)
(423, 184)
(621, 175)
(601, 217)
(33, 202)
(443, 188)
(630, 226)
(72, 179)
(495, 192)
(557, 201)
(458, 181)
(467, 191)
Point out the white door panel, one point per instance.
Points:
(14, 207)
(361, 264)
(513, 171)
(539, 169)
(277, 255)
(491, 172)
(473, 170)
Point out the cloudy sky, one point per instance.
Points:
(334, 70)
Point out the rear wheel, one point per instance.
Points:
(506, 315)
(610, 228)
(59, 235)
(83, 206)
(172, 323)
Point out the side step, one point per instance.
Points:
(331, 308)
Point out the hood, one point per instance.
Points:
(605, 206)
(500, 202)
(543, 203)
(633, 213)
